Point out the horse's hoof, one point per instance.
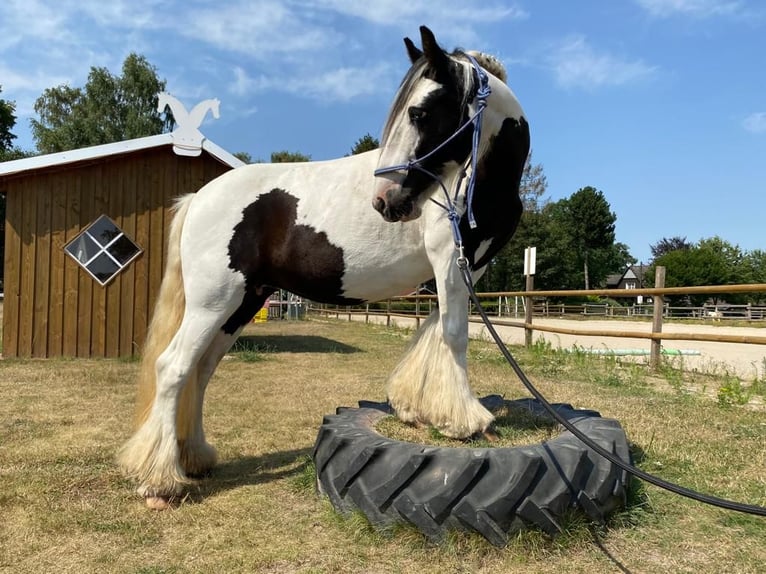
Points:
(490, 434)
(157, 502)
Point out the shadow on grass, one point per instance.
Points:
(250, 470)
(291, 344)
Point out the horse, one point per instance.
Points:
(346, 231)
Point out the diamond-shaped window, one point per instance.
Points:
(103, 250)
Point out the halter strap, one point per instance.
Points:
(482, 94)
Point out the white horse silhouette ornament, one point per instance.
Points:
(187, 139)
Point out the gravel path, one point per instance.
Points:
(746, 360)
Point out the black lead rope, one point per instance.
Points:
(650, 478)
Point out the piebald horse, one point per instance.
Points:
(344, 231)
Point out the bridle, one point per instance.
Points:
(482, 93)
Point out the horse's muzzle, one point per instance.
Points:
(395, 206)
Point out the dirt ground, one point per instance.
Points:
(745, 360)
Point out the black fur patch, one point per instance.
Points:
(497, 206)
(273, 251)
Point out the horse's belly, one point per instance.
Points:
(375, 282)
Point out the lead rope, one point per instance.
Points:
(611, 457)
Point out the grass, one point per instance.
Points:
(65, 508)
(514, 426)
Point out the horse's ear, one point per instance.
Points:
(412, 51)
(433, 52)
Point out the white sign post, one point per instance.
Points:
(530, 259)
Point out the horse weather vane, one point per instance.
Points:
(187, 139)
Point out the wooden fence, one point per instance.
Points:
(418, 307)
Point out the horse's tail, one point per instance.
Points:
(166, 319)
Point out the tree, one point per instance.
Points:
(365, 143)
(533, 186)
(711, 261)
(691, 267)
(668, 244)
(588, 219)
(753, 270)
(243, 156)
(107, 109)
(285, 156)
(7, 122)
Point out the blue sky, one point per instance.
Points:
(660, 104)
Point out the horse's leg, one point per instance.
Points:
(430, 384)
(197, 456)
(152, 454)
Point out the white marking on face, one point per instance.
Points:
(403, 139)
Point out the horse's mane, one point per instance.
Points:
(491, 64)
(417, 72)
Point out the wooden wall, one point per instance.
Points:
(52, 306)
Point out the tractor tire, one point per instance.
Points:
(492, 491)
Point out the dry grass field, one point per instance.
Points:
(65, 508)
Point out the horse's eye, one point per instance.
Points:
(417, 115)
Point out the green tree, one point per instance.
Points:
(243, 156)
(730, 254)
(587, 217)
(533, 186)
(711, 261)
(107, 109)
(7, 123)
(365, 143)
(753, 270)
(285, 156)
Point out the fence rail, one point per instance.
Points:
(528, 304)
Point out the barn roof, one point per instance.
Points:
(118, 148)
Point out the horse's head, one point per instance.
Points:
(435, 98)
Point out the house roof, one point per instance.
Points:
(117, 148)
(632, 272)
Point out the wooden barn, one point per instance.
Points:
(85, 235)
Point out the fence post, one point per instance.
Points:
(417, 305)
(659, 305)
(388, 313)
(530, 285)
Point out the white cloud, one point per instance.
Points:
(260, 29)
(337, 84)
(755, 123)
(323, 49)
(452, 20)
(697, 8)
(406, 12)
(577, 65)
